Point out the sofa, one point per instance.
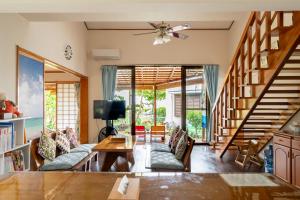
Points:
(162, 159)
(79, 158)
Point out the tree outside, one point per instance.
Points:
(145, 107)
(50, 109)
(194, 122)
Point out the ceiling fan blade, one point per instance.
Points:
(145, 33)
(153, 25)
(178, 35)
(180, 27)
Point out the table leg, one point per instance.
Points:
(130, 157)
(109, 160)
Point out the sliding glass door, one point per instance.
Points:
(195, 103)
(168, 95)
(124, 92)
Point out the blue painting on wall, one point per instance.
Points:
(31, 93)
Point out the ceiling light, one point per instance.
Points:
(161, 39)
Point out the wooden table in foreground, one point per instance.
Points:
(189, 186)
(114, 150)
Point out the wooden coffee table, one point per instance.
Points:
(114, 150)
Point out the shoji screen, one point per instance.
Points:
(68, 106)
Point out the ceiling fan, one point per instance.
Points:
(165, 32)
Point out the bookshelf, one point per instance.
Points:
(17, 143)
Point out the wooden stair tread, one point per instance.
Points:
(287, 78)
(283, 91)
(294, 61)
(281, 97)
(274, 103)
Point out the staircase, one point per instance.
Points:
(261, 91)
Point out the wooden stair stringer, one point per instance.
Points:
(289, 42)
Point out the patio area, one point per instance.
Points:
(158, 98)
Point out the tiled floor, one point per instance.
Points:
(203, 160)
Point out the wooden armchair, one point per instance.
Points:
(158, 131)
(186, 160)
(140, 131)
(248, 154)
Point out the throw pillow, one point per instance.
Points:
(47, 147)
(181, 146)
(175, 140)
(62, 143)
(175, 130)
(72, 137)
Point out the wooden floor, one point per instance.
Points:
(203, 159)
(158, 186)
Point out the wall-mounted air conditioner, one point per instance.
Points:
(106, 54)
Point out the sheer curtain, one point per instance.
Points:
(77, 96)
(211, 80)
(109, 75)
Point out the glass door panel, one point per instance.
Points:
(195, 104)
(124, 92)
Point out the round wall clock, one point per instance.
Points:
(68, 52)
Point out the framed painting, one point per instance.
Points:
(30, 91)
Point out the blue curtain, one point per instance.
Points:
(109, 75)
(211, 80)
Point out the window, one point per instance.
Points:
(193, 102)
(67, 106)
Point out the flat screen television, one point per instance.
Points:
(109, 110)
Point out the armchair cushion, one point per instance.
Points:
(83, 148)
(72, 137)
(64, 162)
(175, 140)
(174, 131)
(165, 160)
(160, 147)
(47, 147)
(62, 142)
(181, 146)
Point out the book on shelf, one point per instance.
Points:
(7, 137)
(18, 160)
(8, 164)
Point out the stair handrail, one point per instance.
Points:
(250, 22)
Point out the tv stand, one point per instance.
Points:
(107, 131)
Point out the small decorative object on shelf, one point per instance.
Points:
(8, 108)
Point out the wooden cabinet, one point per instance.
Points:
(287, 158)
(296, 167)
(282, 162)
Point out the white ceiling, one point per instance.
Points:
(146, 6)
(145, 26)
(140, 10)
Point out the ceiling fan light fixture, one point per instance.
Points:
(161, 39)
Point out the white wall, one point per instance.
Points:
(202, 47)
(47, 39)
(60, 77)
(235, 33)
